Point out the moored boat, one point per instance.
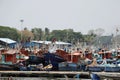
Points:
(106, 66)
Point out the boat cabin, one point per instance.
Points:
(10, 56)
(106, 54)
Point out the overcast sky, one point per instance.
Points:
(80, 15)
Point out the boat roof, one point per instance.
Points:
(7, 40)
(75, 54)
(63, 43)
(42, 42)
(49, 42)
(11, 51)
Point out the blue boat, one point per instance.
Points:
(106, 66)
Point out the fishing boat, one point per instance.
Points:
(106, 65)
(76, 61)
(54, 59)
(39, 57)
(8, 59)
(69, 66)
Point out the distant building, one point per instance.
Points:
(6, 42)
(58, 43)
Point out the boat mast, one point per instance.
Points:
(21, 26)
(116, 44)
(21, 32)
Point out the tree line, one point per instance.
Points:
(66, 35)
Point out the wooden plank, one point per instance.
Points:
(43, 72)
(101, 74)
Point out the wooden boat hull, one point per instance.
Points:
(7, 67)
(112, 69)
(66, 66)
(106, 69)
(54, 59)
(95, 69)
